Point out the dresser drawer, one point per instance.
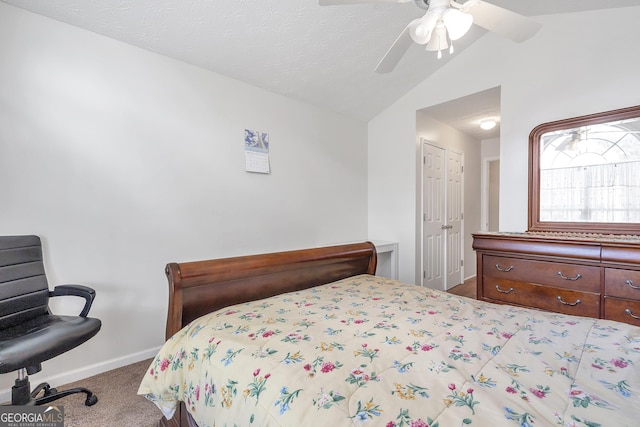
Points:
(622, 310)
(622, 283)
(544, 297)
(567, 276)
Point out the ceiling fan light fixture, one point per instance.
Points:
(457, 23)
(439, 40)
(421, 29)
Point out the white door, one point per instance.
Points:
(433, 216)
(453, 228)
(442, 217)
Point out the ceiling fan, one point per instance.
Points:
(446, 21)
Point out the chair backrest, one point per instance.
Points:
(24, 291)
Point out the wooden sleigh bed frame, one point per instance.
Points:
(470, 360)
(200, 287)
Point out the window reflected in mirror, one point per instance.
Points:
(591, 173)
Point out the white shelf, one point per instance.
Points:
(387, 258)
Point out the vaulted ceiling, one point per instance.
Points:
(323, 55)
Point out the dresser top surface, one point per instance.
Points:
(563, 236)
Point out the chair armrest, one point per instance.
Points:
(78, 291)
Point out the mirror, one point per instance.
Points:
(584, 174)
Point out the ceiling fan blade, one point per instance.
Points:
(340, 2)
(395, 52)
(500, 20)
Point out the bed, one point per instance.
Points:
(313, 337)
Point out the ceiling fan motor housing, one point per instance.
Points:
(423, 4)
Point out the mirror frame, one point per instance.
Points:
(534, 223)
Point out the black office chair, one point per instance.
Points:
(29, 333)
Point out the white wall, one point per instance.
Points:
(577, 64)
(124, 160)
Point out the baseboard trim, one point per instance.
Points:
(88, 371)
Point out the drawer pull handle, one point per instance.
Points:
(505, 270)
(630, 283)
(569, 303)
(631, 314)
(569, 278)
(503, 291)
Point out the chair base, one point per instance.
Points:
(21, 393)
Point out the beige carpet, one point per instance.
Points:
(118, 404)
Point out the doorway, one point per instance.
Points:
(494, 195)
(443, 222)
(490, 194)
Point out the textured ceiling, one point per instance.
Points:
(321, 55)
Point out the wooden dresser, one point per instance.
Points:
(593, 276)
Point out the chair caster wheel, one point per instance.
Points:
(91, 400)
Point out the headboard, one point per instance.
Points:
(200, 287)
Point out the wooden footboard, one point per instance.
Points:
(200, 287)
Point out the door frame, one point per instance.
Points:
(421, 212)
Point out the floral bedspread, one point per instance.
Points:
(373, 351)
